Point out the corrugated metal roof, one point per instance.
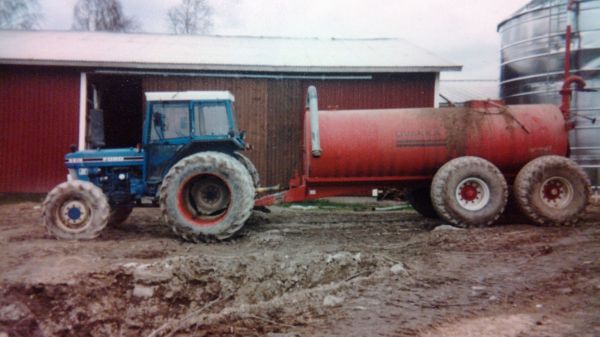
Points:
(460, 91)
(219, 53)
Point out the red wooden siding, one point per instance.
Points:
(39, 111)
(383, 91)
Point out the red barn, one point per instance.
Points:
(49, 81)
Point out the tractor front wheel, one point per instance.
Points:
(76, 210)
(207, 196)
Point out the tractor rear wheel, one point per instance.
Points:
(250, 167)
(76, 210)
(552, 190)
(420, 200)
(469, 191)
(207, 196)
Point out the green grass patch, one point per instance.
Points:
(324, 204)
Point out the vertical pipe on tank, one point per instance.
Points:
(565, 107)
(313, 106)
(566, 91)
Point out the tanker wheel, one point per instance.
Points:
(75, 210)
(250, 167)
(469, 191)
(207, 196)
(552, 190)
(118, 215)
(420, 200)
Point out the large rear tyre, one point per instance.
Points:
(250, 167)
(75, 210)
(552, 190)
(207, 196)
(420, 200)
(469, 192)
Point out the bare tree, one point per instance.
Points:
(190, 17)
(19, 14)
(102, 15)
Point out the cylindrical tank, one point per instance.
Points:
(532, 66)
(411, 144)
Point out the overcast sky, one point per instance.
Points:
(462, 31)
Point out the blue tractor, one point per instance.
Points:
(189, 163)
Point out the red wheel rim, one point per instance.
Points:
(189, 209)
(556, 192)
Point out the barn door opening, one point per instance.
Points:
(121, 100)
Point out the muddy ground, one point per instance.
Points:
(301, 272)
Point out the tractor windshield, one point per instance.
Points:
(169, 120)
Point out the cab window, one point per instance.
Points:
(211, 119)
(169, 120)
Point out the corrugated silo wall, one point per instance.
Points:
(532, 66)
(270, 110)
(39, 109)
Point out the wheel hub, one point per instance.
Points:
(556, 192)
(469, 193)
(209, 195)
(472, 194)
(74, 213)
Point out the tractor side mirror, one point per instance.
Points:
(243, 134)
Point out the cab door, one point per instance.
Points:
(169, 129)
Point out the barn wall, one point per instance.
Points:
(270, 110)
(40, 107)
(383, 91)
(39, 110)
(284, 130)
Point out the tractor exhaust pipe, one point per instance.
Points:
(313, 106)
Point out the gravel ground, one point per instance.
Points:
(301, 272)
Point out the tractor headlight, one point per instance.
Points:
(122, 176)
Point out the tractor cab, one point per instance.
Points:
(178, 124)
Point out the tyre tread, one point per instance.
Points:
(222, 162)
(98, 201)
(440, 181)
(524, 184)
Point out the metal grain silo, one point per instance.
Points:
(533, 67)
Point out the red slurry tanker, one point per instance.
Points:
(455, 163)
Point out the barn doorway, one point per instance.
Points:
(121, 99)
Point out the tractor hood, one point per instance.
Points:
(107, 157)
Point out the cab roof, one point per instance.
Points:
(189, 96)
